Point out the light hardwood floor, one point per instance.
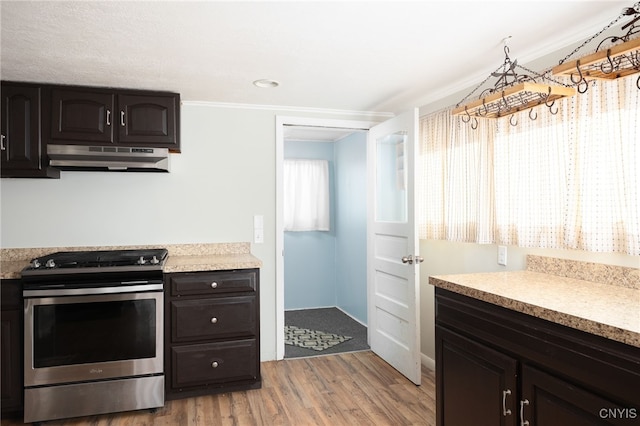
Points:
(345, 389)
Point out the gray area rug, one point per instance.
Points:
(329, 320)
(311, 339)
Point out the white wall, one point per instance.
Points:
(224, 176)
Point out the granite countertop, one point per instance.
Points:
(607, 305)
(182, 257)
(11, 269)
(211, 262)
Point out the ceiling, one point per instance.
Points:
(374, 56)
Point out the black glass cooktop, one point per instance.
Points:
(98, 261)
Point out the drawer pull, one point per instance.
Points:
(214, 364)
(214, 284)
(214, 320)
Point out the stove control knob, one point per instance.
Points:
(35, 264)
(141, 261)
(154, 260)
(50, 263)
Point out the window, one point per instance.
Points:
(306, 195)
(570, 180)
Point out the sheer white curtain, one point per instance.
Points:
(570, 180)
(306, 195)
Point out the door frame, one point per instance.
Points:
(282, 121)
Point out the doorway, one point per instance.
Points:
(321, 275)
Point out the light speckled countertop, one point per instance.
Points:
(211, 262)
(182, 257)
(601, 308)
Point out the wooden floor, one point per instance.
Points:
(345, 389)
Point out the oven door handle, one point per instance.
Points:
(126, 287)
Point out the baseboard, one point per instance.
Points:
(309, 307)
(430, 363)
(350, 316)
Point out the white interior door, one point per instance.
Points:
(392, 245)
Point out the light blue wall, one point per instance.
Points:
(326, 269)
(351, 225)
(309, 257)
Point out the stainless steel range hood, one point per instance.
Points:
(108, 158)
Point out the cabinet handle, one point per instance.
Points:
(214, 320)
(122, 118)
(108, 117)
(2, 147)
(214, 284)
(505, 411)
(523, 422)
(214, 364)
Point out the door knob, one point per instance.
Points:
(407, 259)
(419, 259)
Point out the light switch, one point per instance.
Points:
(258, 229)
(258, 221)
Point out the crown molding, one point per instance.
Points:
(281, 108)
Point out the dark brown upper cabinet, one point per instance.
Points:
(82, 115)
(95, 116)
(147, 119)
(23, 147)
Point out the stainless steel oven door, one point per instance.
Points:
(92, 337)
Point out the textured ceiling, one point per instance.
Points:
(345, 55)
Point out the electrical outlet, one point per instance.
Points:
(502, 255)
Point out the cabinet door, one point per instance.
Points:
(476, 385)
(146, 119)
(549, 401)
(82, 116)
(21, 128)
(11, 359)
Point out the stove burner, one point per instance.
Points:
(73, 262)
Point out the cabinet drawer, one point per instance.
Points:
(214, 363)
(209, 283)
(223, 317)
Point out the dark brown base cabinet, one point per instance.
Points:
(11, 348)
(212, 336)
(496, 367)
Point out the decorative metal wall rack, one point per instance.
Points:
(614, 61)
